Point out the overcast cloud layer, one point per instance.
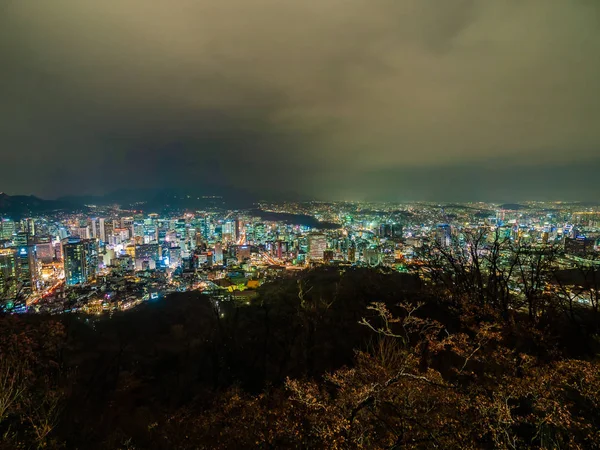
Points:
(340, 99)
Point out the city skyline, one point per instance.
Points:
(328, 224)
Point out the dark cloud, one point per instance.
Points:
(329, 98)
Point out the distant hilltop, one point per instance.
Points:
(17, 206)
(513, 206)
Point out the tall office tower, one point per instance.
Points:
(109, 226)
(150, 234)
(229, 233)
(352, 254)
(82, 232)
(162, 235)
(101, 234)
(139, 229)
(147, 252)
(259, 232)
(7, 229)
(180, 226)
(239, 225)
(317, 244)
(205, 227)
(120, 235)
(44, 250)
(31, 227)
(174, 258)
(242, 252)
(171, 238)
(26, 260)
(127, 222)
(93, 226)
(97, 230)
(21, 239)
(218, 253)
(443, 235)
(80, 257)
(9, 282)
(200, 243)
(279, 249)
(385, 230)
(191, 237)
(397, 230)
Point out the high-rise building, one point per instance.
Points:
(228, 230)
(174, 258)
(352, 253)
(397, 230)
(242, 252)
(44, 250)
(81, 232)
(317, 244)
(31, 227)
(101, 229)
(147, 252)
(218, 253)
(26, 260)
(109, 226)
(205, 227)
(94, 228)
(80, 258)
(259, 232)
(7, 229)
(279, 249)
(443, 235)
(8, 273)
(385, 230)
(127, 223)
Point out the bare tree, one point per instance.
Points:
(12, 383)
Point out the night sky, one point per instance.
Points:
(333, 99)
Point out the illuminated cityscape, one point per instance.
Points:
(108, 259)
(310, 224)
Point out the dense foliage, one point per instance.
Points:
(325, 359)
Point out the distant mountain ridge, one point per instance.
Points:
(513, 206)
(155, 200)
(18, 206)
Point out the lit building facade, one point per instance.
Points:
(80, 258)
(317, 244)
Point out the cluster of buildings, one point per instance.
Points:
(117, 258)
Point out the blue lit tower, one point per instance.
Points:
(80, 257)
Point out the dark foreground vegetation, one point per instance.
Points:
(363, 359)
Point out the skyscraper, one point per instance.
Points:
(31, 227)
(385, 230)
(218, 253)
(101, 230)
(44, 250)
(7, 229)
(397, 230)
(26, 260)
(93, 225)
(443, 235)
(317, 244)
(80, 258)
(82, 232)
(229, 231)
(8, 273)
